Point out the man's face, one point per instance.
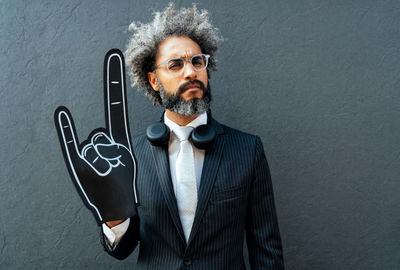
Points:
(185, 92)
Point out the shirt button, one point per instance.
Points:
(188, 262)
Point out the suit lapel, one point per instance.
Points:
(210, 167)
(160, 155)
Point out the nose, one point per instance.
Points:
(189, 73)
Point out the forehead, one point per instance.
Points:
(175, 46)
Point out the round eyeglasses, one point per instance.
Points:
(175, 65)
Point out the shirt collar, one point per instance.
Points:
(199, 120)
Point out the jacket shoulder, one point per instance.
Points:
(236, 133)
(240, 140)
(139, 137)
(139, 142)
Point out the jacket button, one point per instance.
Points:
(188, 262)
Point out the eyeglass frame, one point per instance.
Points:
(207, 57)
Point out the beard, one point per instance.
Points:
(192, 107)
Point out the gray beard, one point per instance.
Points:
(190, 107)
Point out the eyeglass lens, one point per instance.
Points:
(199, 62)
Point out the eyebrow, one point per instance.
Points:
(174, 56)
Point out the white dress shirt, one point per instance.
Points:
(115, 233)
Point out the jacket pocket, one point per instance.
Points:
(228, 194)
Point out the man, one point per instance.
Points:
(193, 205)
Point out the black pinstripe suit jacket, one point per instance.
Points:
(235, 196)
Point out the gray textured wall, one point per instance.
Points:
(317, 80)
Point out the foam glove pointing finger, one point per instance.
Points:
(103, 167)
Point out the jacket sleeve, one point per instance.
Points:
(128, 242)
(262, 232)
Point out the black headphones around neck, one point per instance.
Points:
(202, 137)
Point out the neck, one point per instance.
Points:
(180, 119)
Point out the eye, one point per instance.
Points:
(175, 64)
(198, 61)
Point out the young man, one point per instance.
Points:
(196, 197)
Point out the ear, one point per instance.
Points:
(153, 80)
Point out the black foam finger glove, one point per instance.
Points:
(103, 167)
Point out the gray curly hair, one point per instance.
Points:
(142, 47)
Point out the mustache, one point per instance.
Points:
(181, 88)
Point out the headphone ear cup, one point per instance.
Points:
(203, 136)
(158, 134)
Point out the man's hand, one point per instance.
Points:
(103, 167)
